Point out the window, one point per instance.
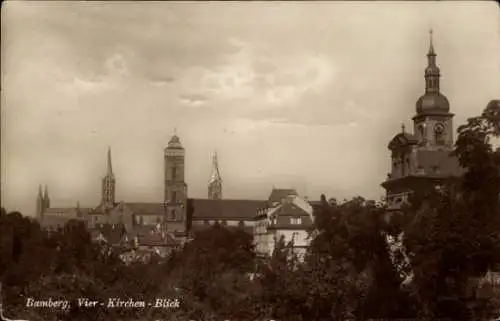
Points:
(174, 197)
(439, 134)
(421, 132)
(296, 220)
(172, 215)
(174, 173)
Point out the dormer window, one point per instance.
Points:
(439, 134)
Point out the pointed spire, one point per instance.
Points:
(40, 195)
(215, 169)
(46, 194)
(431, 44)
(110, 167)
(432, 72)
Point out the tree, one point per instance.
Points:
(453, 236)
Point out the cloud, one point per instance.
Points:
(194, 100)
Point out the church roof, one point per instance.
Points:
(225, 209)
(432, 103)
(146, 208)
(175, 143)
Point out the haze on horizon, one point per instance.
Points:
(290, 94)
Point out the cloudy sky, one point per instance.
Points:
(303, 95)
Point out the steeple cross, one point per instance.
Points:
(402, 128)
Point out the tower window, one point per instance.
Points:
(439, 134)
(174, 197)
(172, 215)
(421, 132)
(174, 173)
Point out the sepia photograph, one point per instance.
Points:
(250, 160)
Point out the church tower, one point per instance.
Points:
(39, 204)
(42, 202)
(215, 182)
(433, 122)
(108, 185)
(175, 193)
(46, 199)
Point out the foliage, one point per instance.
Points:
(453, 236)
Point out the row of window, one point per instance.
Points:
(293, 220)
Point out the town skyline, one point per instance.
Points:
(307, 98)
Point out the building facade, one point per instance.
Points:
(288, 218)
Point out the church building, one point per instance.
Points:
(421, 158)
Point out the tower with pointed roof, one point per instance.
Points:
(46, 198)
(433, 122)
(108, 185)
(175, 188)
(422, 159)
(39, 203)
(42, 202)
(215, 182)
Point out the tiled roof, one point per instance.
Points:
(225, 209)
(438, 163)
(146, 208)
(285, 212)
(277, 194)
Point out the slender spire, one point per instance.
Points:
(215, 169)
(40, 195)
(215, 183)
(46, 194)
(110, 167)
(432, 72)
(431, 44)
